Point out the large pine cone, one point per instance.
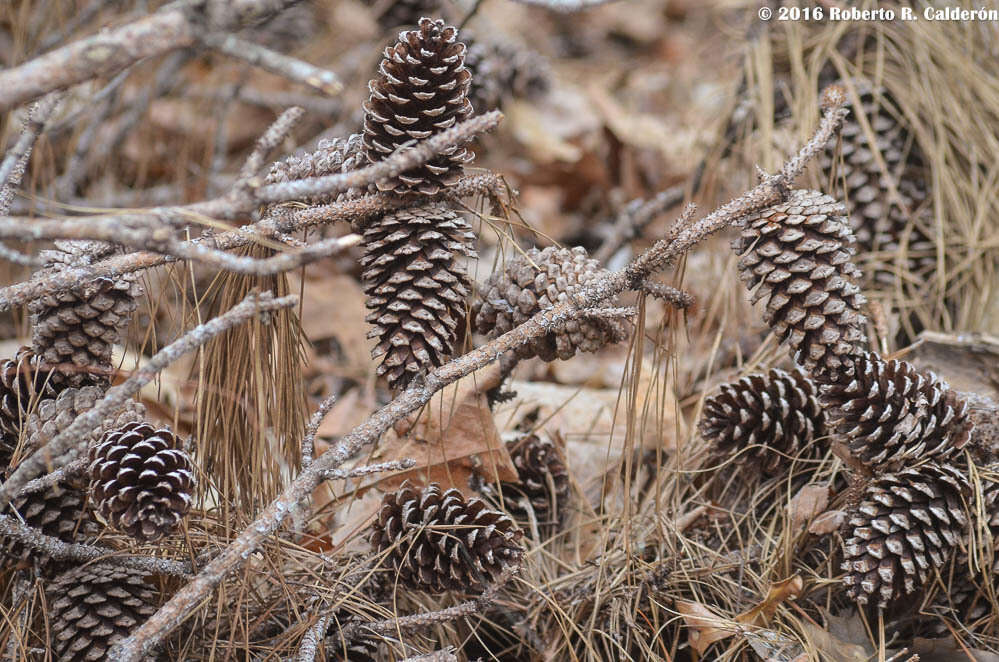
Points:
(796, 257)
(904, 529)
(501, 70)
(416, 288)
(141, 480)
(422, 90)
(889, 413)
(543, 480)
(23, 384)
(879, 223)
(73, 331)
(95, 606)
(438, 541)
(773, 417)
(538, 280)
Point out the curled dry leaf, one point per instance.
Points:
(827, 522)
(704, 627)
(807, 504)
(788, 589)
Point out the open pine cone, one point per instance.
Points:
(141, 480)
(438, 541)
(796, 256)
(903, 531)
(422, 90)
(61, 511)
(23, 384)
(415, 288)
(528, 284)
(773, 416)
(543, 479)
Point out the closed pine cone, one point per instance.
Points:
(543, 479)
(773, 417)
(23, 384)
(141, 480)
(330, 157)
(422, 90)
(73, 331)
(439, 541)
(54, 415)
(415, 288)
(903, 531)
(95, 606)
(889, 413)
(796, 256)
(530, 283)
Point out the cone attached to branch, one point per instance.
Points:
(23, 384)
(330, 157)
(141, 480)
(415, 288)
(889, 413)
(535, 281)
(796, 257)
(903, 531)
(422, 89)
(95, 606)
(543, 479)
(438, 541)
(73, 331)
(773, 416)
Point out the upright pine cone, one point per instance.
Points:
(415, 288)
(889, 413)
(543, 479)
(422, 90)
(773, 416)
(405, 13)
(141, 480)
(93, 607)
(73, 331)
(530, 283)
(438, 541)
(501, 70)
(905, 528)
(796, 257)
(879, 222)
(23, 384)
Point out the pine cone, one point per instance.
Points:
(95, 606)
(415, 288)
(439, 541)
(774, 416)
(422, 90)
(54, 415)
(538, 280)
(889, 413)
(60, 511)
(23, 384)
(141, 480)
(796, 256)
(543, 479)
(73, 331)
(904, 529)
(331, 157)
(405, 13)
(879, 222)
(501, 70)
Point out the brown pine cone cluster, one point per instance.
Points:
(24, 383)
(415, 287)
(770, 418)
(93, 607)
(141, 480)
(542, 479)
(438, 541)
(905, 529)
(537, 280)
(888, 413)
(422, 90)
(501, 71)
(796, 257)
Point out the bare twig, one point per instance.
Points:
(635, 217)
(309, 438)
(437, 656)
(313, 636)
(71, 470)
(769, 192)
(15, 161)
(268, 142)
(323, 80)
(674, 297)
(368, 469)
(69, 438)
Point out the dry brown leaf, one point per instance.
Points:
(844, 640)
(827, 522)
(333, 307)
(947, 650)
(788, 589)
(808, 503)
(704, 627)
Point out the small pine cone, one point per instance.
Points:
(415, 288)
(422, 90)
(404, 13)
(23, 384)
(141, 480)
(501, 70)
(60, 511)
(439, 541)
(543, 478)
(538, 280)
(95, 606)
(774, 416)
(889, 413)
(796, 256)
(904, 529)
(331, 157)
(879, 223)
(54, 415)
(73, 331)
